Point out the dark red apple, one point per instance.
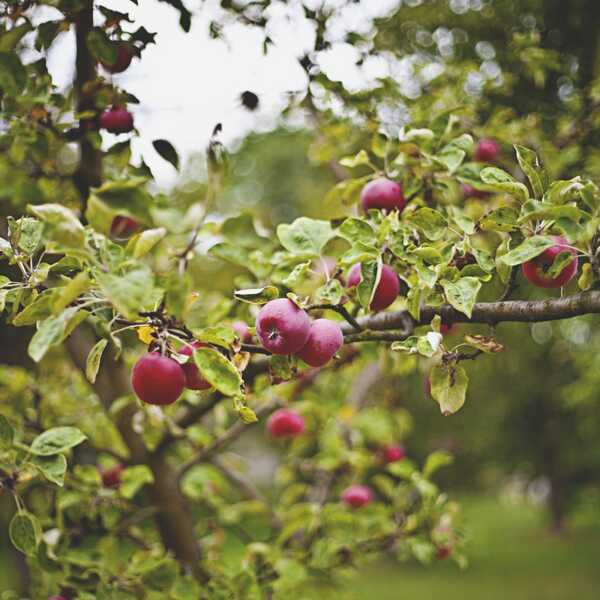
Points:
(393, 453)
(157, 379)
(536, 269)
(487, 150)
(123, 60)
(443, 552)
(357, 496)
(285, 423)
(324, 340)
(116, 120)
(384, 194)
(123, 227)
(282, 327)
(111, 478)
(193, 379)
(387, 289)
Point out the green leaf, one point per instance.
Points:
(330, 293)
(233, 253)
(257, 295)
(369, 279)
(218, 371)
(56, 440)
(40, 308)
(166, 150)
(13, 76)
(561, 261)
(101, 47)
(281, 368)
(530, 248)
(462, 294)
(451, 157)
(53, 331)
(357, 230)
(133, 479)
(305, 236)
(9, 39)
(530, 165)
(161, 576)
(435, 461)
(30, 234)
(70, 292)
(449, 387)
(7, 433)
(221, 335)
(362, 158)
(431, 222)
(297, 275)
(53, 468)
(62, 224)
(129, 293)
(500, 219)
(93, 360)
(23, 531)
(346, 192)
(565, 211)
(247, 415)
(147, 240)
(500, 180)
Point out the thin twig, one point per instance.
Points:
(338, 308)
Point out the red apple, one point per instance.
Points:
(285, 423)
(536, 269)
(487, 150)
(193, 379)
(116, 120)
(387, 289)
(123, 60)
(282, 327)
(111, 478)
(384, 194)
(443, 552)
(357, 496)
(324, 340)
(157, 379)
(243, 331)
(123, 227)
(393, 453)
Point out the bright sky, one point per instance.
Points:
(188, 82)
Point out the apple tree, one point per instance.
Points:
(141, 375)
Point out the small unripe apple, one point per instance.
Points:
(243, 331)
(387, 289)
(393, 453)
(282, 327)
(111, 478)
(123, 60)
(324, 340)
(357, 496)
(469, 191)
(116, 120)
(384, 194)
(536, 269)
(487, 150)
(285, 423)
(157, 379)
(193, 379)
(123, 227)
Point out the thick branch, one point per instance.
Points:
(524, 311)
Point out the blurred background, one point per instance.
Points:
(527, 443)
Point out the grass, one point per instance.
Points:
(512, 556)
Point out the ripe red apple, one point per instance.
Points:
(324, 340)
(357, 496)
(116, 120)
(282, 327)
(387, 289)
(469, 191)
(285, 423)
(123, 60)
(487, 150)
(157, 379)
(536, 269)
(393, 453)
(111, 478)
(443, 552)
(384, 194)
(243, 331)
(123, 227)
(193, 379)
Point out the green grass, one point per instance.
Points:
(512, 557)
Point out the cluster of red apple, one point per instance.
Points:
(160, 380)
(286, 423)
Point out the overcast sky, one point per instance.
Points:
(187, 83)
